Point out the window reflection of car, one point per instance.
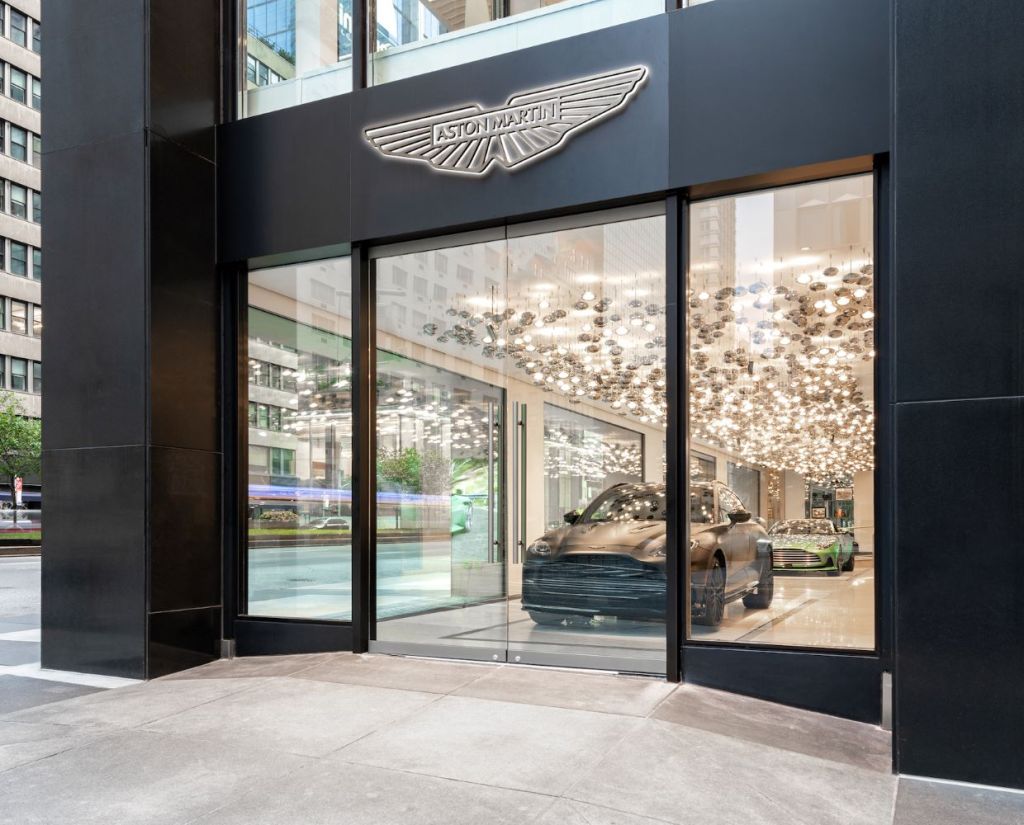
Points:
(331, 521)
(610, 559)
(462, 514)
(812, 544)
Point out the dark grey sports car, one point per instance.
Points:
(610, 559)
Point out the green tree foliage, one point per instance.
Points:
(399, 469)
(20, 443)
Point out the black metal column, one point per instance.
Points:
(676, 445)
(364, 449)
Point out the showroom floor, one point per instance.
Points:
(343, 738)
(812, 609)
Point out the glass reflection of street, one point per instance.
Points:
(310, 581)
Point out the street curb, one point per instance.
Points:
(20, 551)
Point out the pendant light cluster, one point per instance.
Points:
(595, 348)
(437, 419)
(778, 371)
(576, 454)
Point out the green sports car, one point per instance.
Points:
(811, 544)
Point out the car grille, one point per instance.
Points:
(795, 557)
(606, 566)
(596, 573)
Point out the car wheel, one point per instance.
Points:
(765, 589)
(848, 565)
(546, 619)
(714, 596)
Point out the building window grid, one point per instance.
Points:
(37, 377)
(18, 86)
(19, 374)
(18, 142)
(19, 317)
(18, 259)
(19, 201)
(19, 28)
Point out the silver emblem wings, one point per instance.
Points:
(470, 140)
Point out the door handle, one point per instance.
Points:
(519, 458)
(490, 483)
(515, 482)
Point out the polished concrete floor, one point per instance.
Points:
(350, 739)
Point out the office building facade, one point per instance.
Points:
(21, 214)
(432, 316)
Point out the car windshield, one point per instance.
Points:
(702, 504)
(627, 504)
(803, 527)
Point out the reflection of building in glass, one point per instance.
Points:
(288, 38)
(300, 406)
(583, 456)
(273, 23)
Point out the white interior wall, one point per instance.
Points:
(864, 511)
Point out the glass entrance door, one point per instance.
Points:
(440, 423)
(585, 378)
(520, 426)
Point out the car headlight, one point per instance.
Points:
(539, 548)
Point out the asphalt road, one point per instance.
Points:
(19, 587)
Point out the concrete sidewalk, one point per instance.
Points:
(343, 738)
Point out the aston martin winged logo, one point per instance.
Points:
(471, 140)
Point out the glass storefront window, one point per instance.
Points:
(295, 51)
(411, 37)
(781, 367)
(518, 381)
(300, 441)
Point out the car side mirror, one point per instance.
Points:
(739, 516)
(571, 517)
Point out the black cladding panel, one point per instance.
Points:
(758, 87)
(620, 157)
(284, 180)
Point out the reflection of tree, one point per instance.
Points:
(399, 469)
(467, 475)
(429, 473)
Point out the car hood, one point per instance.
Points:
(635, 538)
